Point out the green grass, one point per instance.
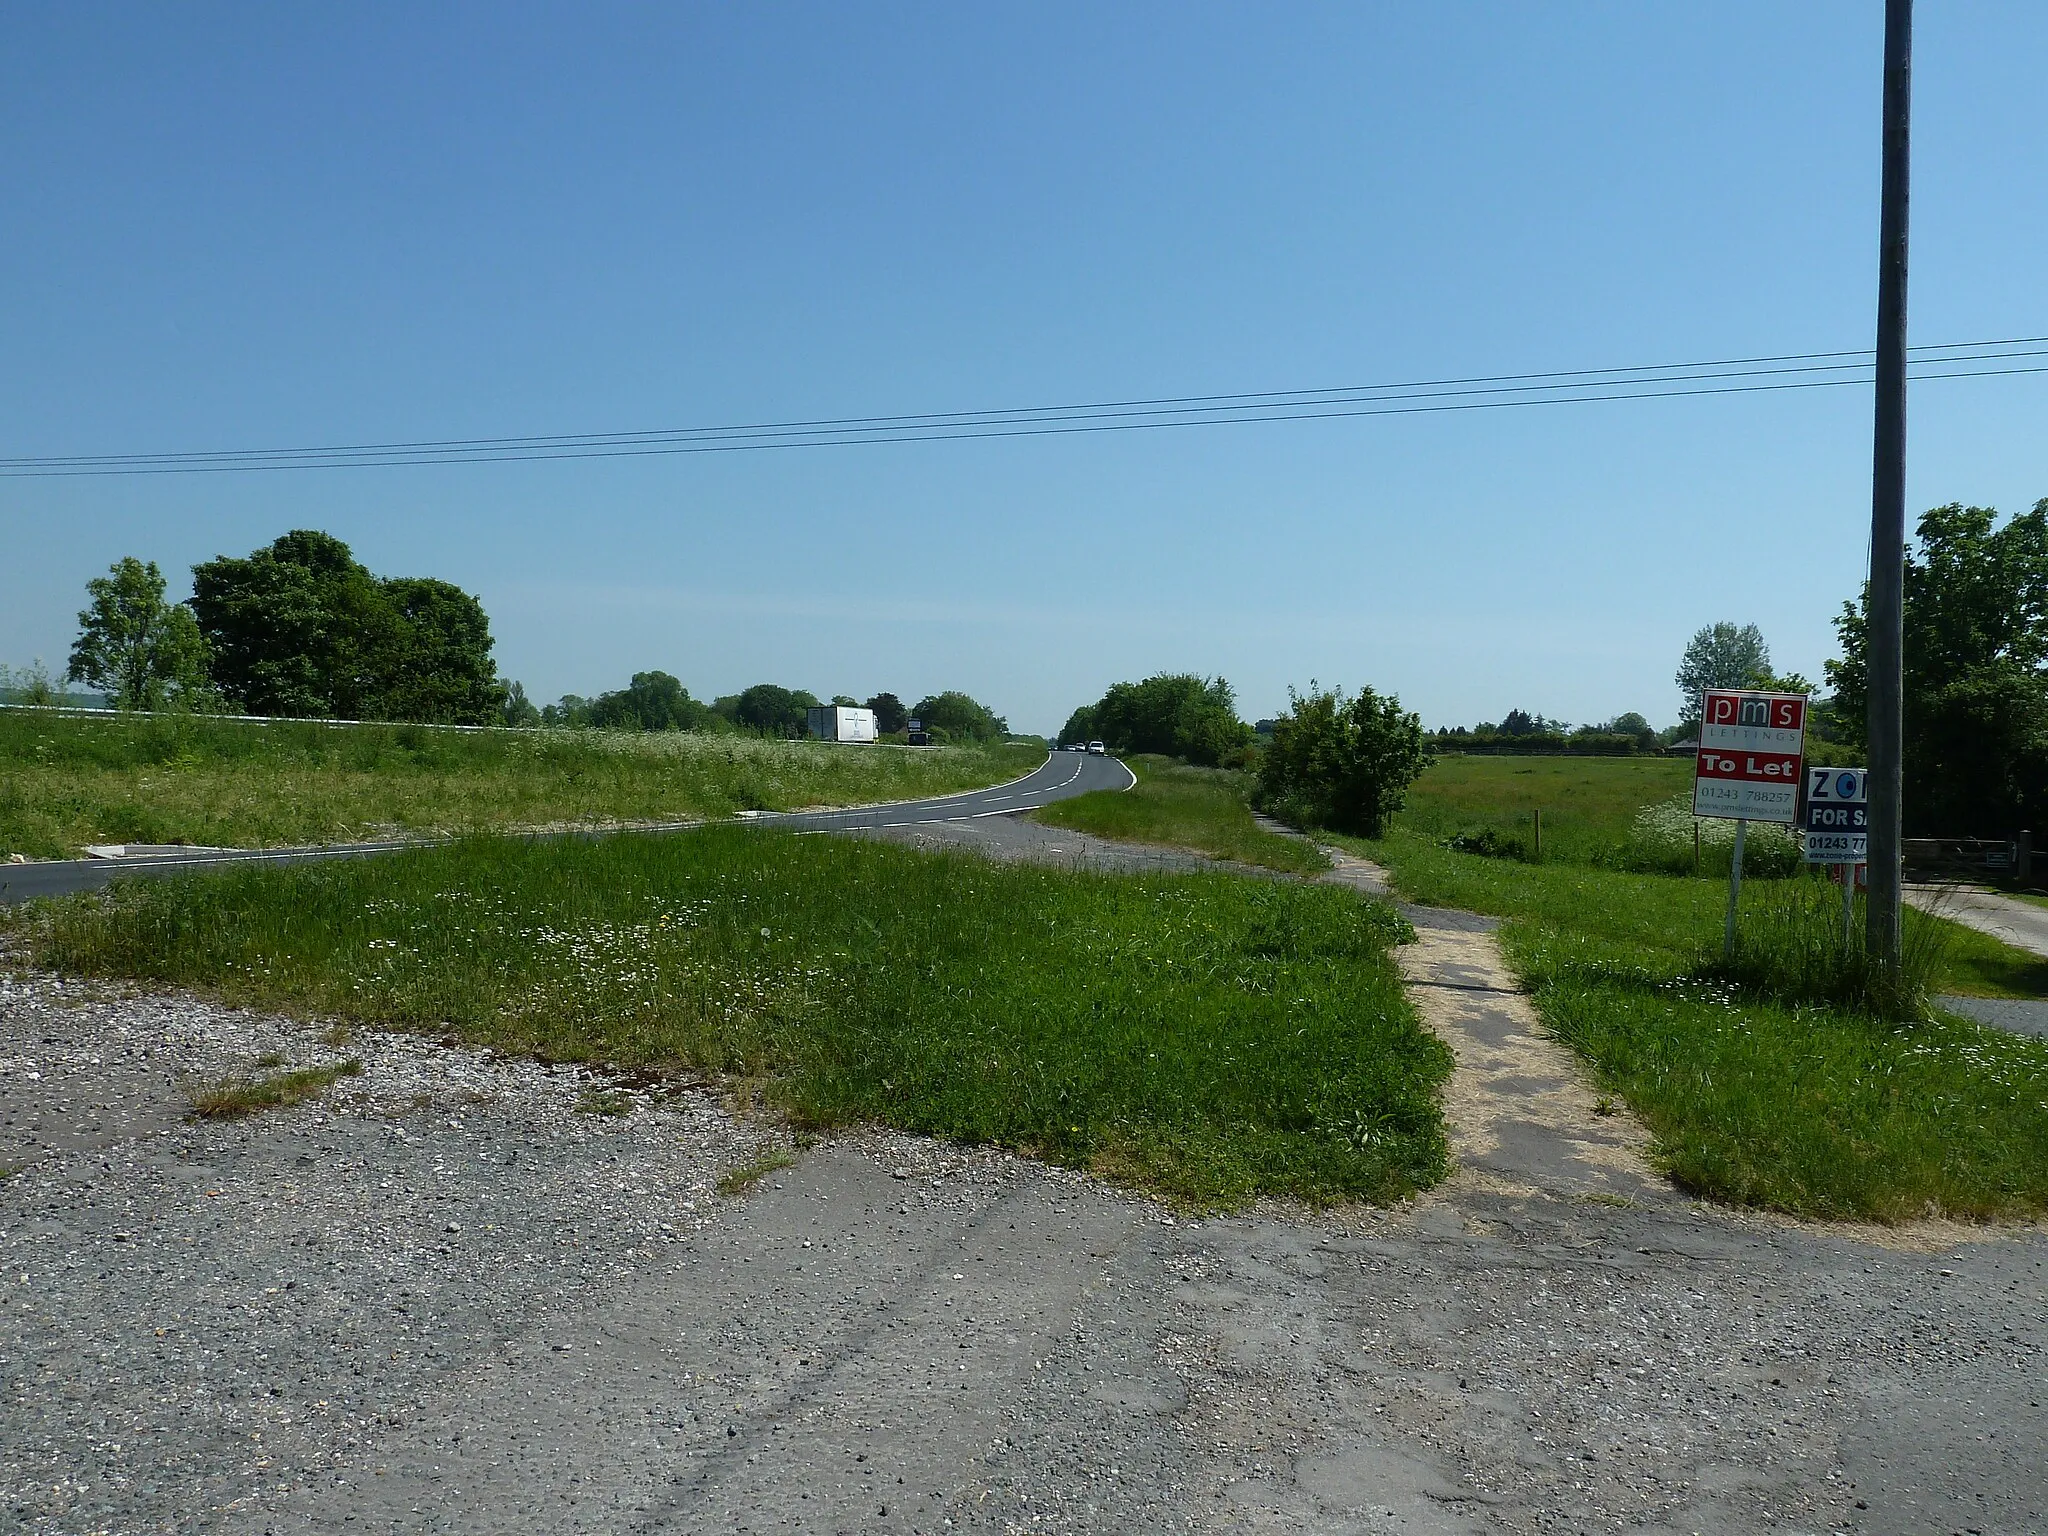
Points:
(741, 1180)
(66, 782)
(1207, 1036)
(1802, 1107)
(234, 1098)
(1183, 807)
(1589, 804)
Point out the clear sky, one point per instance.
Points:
(255, 226)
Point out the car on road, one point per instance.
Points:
(1097, 749)
(1077, 746)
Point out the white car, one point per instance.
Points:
(1096, 749)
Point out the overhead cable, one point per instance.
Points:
(1724, 376)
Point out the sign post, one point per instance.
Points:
(1748, 768)
(1838, 830)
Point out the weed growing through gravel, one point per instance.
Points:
(1759, 1090)
(1183, 807)
(234, 1098)
(612, 1102)
(741, 1180)
(1204, 1035)
(67, 781)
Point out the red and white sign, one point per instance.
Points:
(1750, 744)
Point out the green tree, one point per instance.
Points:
(890, 715)
(32, 685)
(654, 702)
(1976, 673)
(292, 627)
(769, 708)
(300, 627)
(519, 711)
(136, 648)
(1178, 714)
(436, 664)
(953, 716)
(1722, 655)
(1342, 763)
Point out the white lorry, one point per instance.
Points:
(841, 722)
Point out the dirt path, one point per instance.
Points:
(1523, 1114)
(2018, 923)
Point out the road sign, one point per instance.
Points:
(1748, 765)
(1837, 816)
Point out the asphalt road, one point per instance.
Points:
(1061, 776)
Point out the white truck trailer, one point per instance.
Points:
(841, 722)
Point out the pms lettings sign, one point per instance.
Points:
(1748, 766)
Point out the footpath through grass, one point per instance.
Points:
(1204, 1035)
(1759, 1100)
(1182, 807)
(66, 782)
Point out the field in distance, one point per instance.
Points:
(67, 782)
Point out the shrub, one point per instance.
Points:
(1342, 763)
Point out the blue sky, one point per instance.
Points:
(265, 226)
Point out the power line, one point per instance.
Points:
(1415, 397)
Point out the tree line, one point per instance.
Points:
(657, 701)
(301, 628)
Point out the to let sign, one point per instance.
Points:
(1837, 816)
(1750, 745)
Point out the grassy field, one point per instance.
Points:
(66, 782)
(1204, 1035)
(1782, 1101)
(1184, 807)
(1632, 813)
(1590, 804)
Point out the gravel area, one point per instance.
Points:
(451, 1296)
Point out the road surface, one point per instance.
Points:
(1060, 777)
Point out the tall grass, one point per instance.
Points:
(1204, 1035)
(1793, 946)
(66, 782)
(1185, 807)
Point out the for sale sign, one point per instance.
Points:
(1837, 816)
(1748, 767)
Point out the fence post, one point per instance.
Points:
(2023, 858)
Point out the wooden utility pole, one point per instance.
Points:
(1888, 498)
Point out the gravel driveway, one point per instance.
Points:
(452, 1295)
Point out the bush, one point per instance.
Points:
(1340, 763)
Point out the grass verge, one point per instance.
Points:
(1205, 1036)
(1182, 807)
(66, 782)
(1798, 1106)
(235, 1098)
